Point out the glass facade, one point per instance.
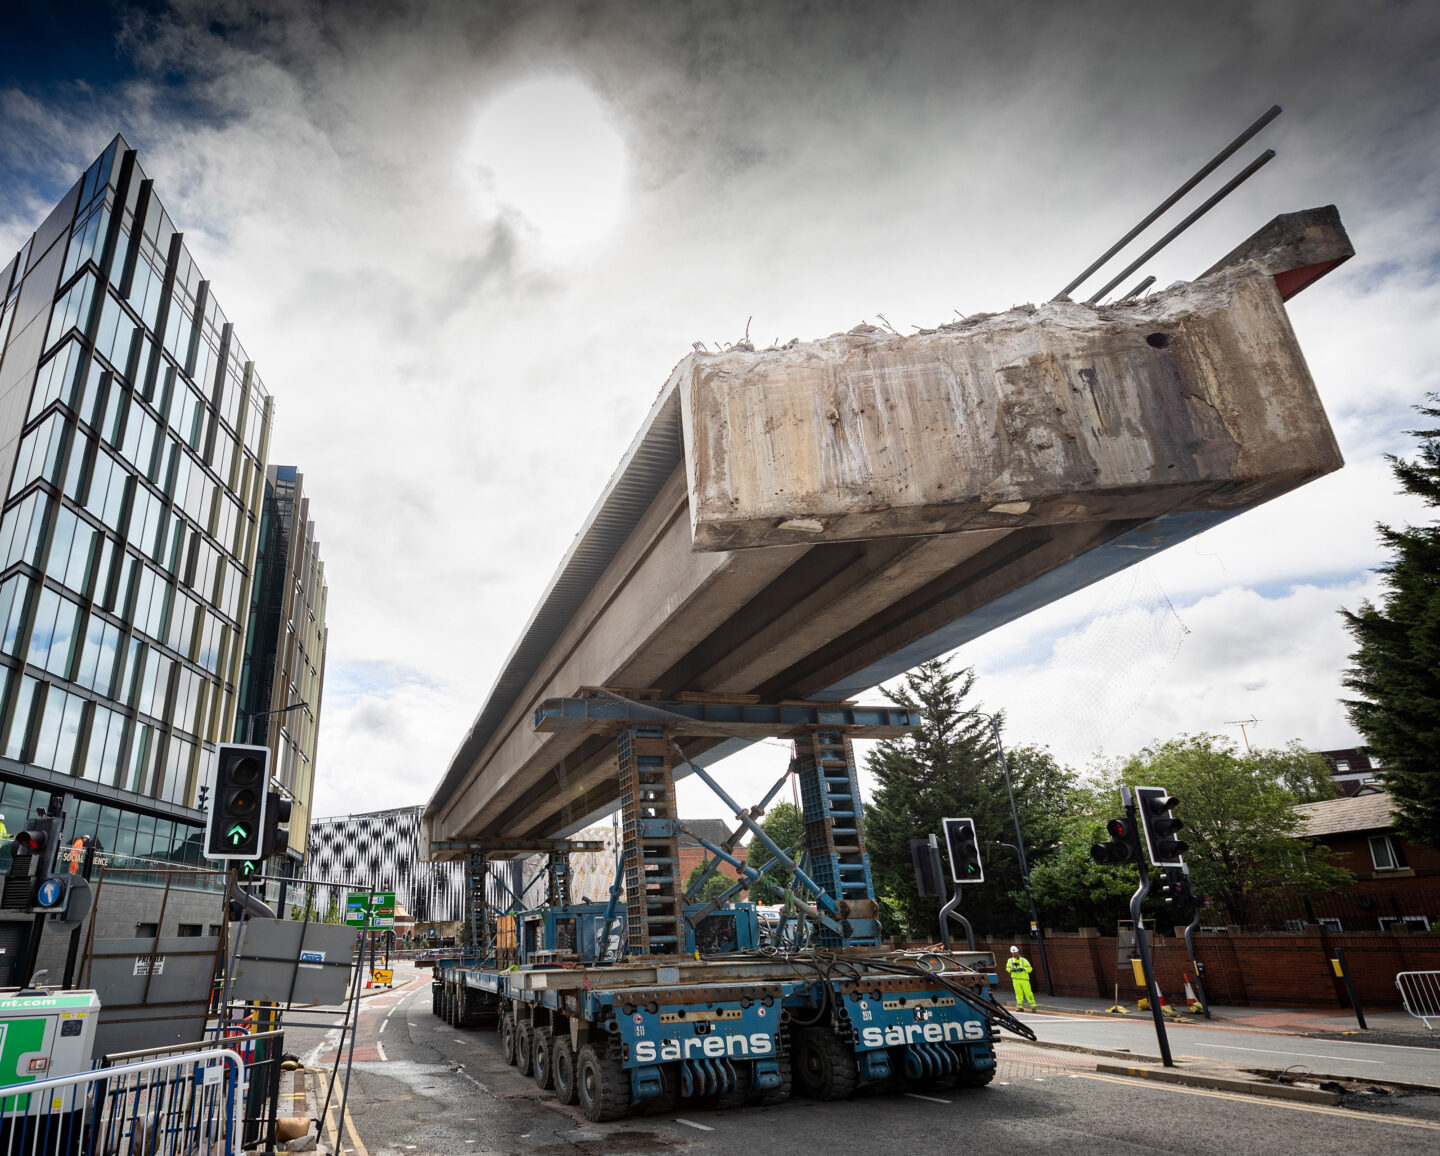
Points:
(133, 435)
(285, 641)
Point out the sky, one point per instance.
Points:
(466, 244)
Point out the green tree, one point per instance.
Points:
(784, 825)
(715, 886)
(950, 767)
(1395, 670)
(1240, 821)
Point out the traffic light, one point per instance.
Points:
(929, 875)
(277, 814)
(964, 848)
(1123, 847)
(32, 860)
(236, 825)
(1175, 889)
(1156, 807)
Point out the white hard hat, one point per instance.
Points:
(1014, 951)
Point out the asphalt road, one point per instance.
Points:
(421, 1087)
(1247, 1048)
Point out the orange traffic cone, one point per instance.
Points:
(1191, 998)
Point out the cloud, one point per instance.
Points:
(457, 395)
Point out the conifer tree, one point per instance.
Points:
(1395, 670)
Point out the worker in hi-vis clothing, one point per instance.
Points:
(1019, 968)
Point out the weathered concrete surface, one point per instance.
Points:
(1097, 444)
(1062, 414)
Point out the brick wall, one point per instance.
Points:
(1290, 970)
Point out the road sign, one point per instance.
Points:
(383, 975)
(382, 909)
(357, 909)
(50, 893)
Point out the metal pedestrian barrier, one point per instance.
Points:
(174, 1106)
(1420, 994)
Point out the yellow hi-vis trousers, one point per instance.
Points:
(1023, 992)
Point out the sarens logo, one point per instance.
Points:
(931, 1033)
(653, 1051)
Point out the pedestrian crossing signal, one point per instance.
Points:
(964, 848)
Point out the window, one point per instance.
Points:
(1342, 766)
(1418, 922)
(20, 531)
(1330, 924)
(1385, 853)
(188, 930)
(146, 930)
(41, 453)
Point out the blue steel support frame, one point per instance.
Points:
(834, 833)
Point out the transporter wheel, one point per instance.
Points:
(775, 1095)
(603, 1084)
(543, 1059)
(824, 1064)
(562, 1063)
(725, 1101)
(525, 1047)
(507, 1040)
(976, 1079)
(669, 1092)
(435, 992)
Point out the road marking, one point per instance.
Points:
(1279, 1052)
(1266, 1102)
(384, 1024)
(458, 1040)
(379, 1047)
(692, 1124)
(931, 1099)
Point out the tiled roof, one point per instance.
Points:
(1336, 816)
(716, 830)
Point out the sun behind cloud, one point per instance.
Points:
(550, 150)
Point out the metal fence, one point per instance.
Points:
(1420, 994)
(168, 1106)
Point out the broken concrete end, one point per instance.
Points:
(1196, 398)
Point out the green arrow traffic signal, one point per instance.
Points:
(237, 834)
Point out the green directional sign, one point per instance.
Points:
(357, 909)
(237, 834)
(382, 909)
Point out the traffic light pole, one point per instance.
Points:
(1151, 987)
(1190, 930)
(948, 913)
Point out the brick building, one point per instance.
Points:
(1352, 770)
(1397, 881)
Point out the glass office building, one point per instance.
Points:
(133, 433)
(283, 675)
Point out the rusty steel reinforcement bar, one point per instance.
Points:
(1205, 170)
(1209, 203)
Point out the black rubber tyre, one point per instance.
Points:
(435, 990)
(562, 1063)
(824, 1065)
(602, 1083)
(726, 1101)
(669, 1093)
(774, 1095)
(525, 1048)
(976, 1079)
(507, 1040)
(543, 1059)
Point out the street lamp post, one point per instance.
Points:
(259, 714)
(1020, 852)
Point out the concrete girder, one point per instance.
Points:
(1096, 446)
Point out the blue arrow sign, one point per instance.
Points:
(50, 893)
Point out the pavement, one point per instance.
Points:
(421, 1087)
(1247, 1040)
